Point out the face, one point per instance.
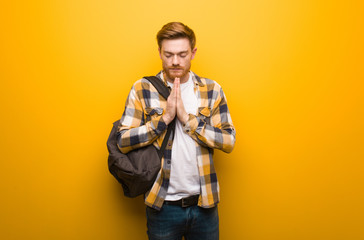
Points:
(176, 56)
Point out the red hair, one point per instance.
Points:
(175, 30)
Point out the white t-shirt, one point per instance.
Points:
(184, 180)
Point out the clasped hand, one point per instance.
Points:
(175, 105)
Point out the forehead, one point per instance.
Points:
(175, 45)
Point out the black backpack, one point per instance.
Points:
(137, 170)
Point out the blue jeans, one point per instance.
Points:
(173, 222)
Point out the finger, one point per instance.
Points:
(178, 92)
(173, 92)
(177, 84)
(176, 87)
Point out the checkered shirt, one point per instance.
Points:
(211, 128)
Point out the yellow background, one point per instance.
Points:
(293, 75)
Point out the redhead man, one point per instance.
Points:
(183, 199)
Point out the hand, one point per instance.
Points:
(175, 105)
(182, 115)
(170, 112)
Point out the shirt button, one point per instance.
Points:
(169, 144)
(169, 162)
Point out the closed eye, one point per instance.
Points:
(181, 54)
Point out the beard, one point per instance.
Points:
(176, 72)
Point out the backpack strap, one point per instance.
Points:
(159, 85)
(164, 91)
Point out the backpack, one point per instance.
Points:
(137, 170)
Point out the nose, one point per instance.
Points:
(175, 61)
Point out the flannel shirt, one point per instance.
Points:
(211, 128)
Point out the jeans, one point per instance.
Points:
(173, 222)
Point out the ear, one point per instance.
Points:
(160, 53)
(193, 53)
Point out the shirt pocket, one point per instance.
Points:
(204, 113)
(151, 113)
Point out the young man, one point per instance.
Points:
(183, 200)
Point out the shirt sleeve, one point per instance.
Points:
(134, 130)
(217, 132)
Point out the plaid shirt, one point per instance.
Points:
(142, 124)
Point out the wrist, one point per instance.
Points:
(167, 120)
(185, 118)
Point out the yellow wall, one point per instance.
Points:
(292, 72)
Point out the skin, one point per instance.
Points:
(176, 56)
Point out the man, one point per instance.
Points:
(183, 200)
